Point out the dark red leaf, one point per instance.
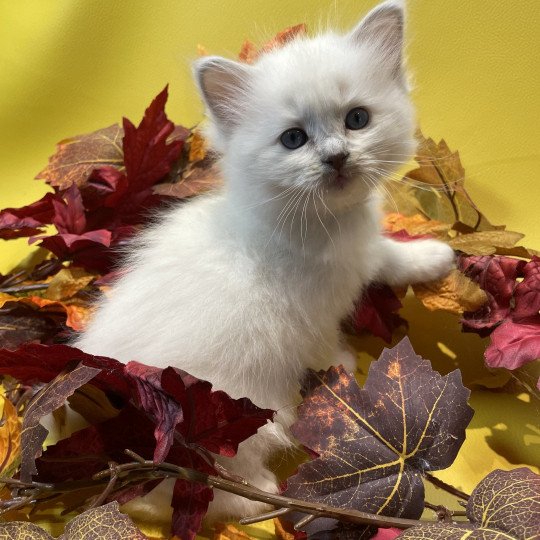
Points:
(89, 249)
(497, 277)
(211, 418)
(527, 293)
(69, 212)
(147, 154)
(190, 503)
(376, 312)
(27, 220)
(33, 362)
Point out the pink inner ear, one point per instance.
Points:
(222, 83)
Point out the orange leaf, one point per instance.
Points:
(10, 438)
(227, 531)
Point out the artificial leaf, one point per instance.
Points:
(227, 531)
(249, 52)
(197, 147)
(485, 242)
(148, 154)
(455, 293)
(77, 157)
(373, 444)
(376, 312)
(497, 277)
(415, 225)
(21, 323)
(67, 283)
(22, 530)
(527, 292)
(27, 220)
(50, 398)
(196, 179)
(102, 522)
(10, 438)
(440, 190)
(506, 504)
(514, 344)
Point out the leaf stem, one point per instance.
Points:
(447, 487)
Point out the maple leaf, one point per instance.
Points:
(376, 312)
(48, 399)
(27, 220)
(147, 154)
(455, 293)
(374, 444)
(174, 412)
(416, 226)
(78, 156)
(505, 504)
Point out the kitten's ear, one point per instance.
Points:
(382, 28)
(222, 84)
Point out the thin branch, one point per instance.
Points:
(141, 469)
(24, 288)
(447, 487)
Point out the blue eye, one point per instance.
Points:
(293, 138)
(357, 118)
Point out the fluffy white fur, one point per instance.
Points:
(246, 288)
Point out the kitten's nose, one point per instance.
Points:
(338, 160)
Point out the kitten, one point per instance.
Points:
(247, 287)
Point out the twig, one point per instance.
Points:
(447, 487)
(26, 493)
(24, 288)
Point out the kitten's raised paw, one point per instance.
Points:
(431, 260)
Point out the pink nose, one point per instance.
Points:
(337, 161)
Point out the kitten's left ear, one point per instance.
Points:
(382, 28)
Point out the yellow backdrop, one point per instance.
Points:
(69, 67)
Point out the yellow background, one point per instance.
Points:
(69, 67)
(73, 66)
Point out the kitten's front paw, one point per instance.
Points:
(431, 260)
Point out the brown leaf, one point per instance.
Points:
(227, 531)
(437, 187)
(92, 404)
(21, 322)
(22, 530)
(67, 283)
(455, 293)
(485, 242)
(104, 522)
(10, 438)
(50, 398)
(198, 179)
(77, 157)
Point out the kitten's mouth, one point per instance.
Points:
(339, 179)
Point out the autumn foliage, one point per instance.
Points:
(369, 448)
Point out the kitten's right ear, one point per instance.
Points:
(222, 84)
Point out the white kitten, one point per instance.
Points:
(246, 288)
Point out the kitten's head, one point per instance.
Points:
(328, 115)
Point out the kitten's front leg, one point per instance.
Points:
(414, 262)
